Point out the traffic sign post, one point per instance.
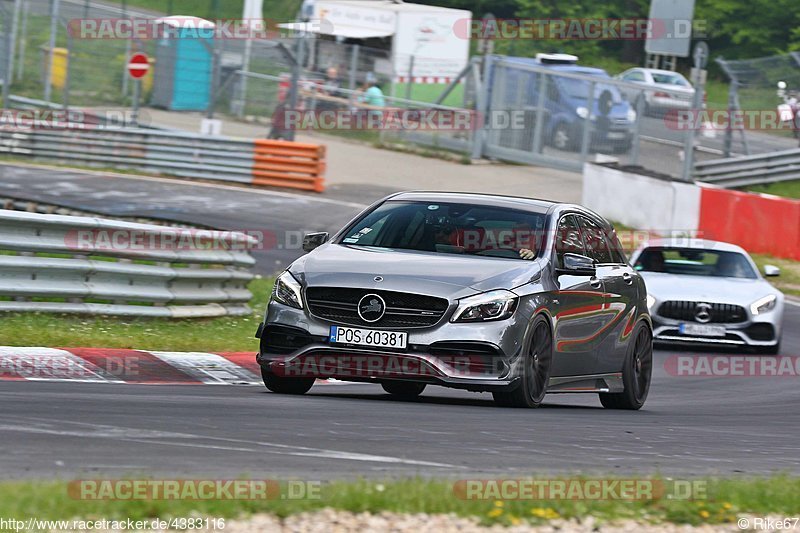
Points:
(138, 67)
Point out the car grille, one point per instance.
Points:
(687, 311)
(403, 310)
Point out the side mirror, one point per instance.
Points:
(578, 265)
(771, 271)
(314, 240)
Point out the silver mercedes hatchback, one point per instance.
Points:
(513, 296)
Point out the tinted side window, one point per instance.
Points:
(596, 241)
(634, 76)
(568, 239)
(617, 251)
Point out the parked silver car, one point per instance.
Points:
(662, 90)
(710, 293)
(514, 296)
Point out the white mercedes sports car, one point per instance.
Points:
(708, 292)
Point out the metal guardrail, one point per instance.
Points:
(165, 152)
(750, 170)
(68, 264)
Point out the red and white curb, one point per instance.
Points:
(109, 365)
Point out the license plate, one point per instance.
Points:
(702, 330)
(616, 135)
(368, 337)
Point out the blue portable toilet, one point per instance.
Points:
(184, 61)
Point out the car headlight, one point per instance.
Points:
(631, 115)
(492, 305)
(287, 291)
(762, 305)
(650, 302)
(582, 112)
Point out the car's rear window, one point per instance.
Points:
(695, 262)
(448, 228)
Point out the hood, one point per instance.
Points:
(445, 275)
(705, 288)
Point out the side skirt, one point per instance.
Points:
(589, 383)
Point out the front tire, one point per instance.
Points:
(637, 372)
(286, 385)
(536, 366)
(403, 389)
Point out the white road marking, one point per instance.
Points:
(190, 440)
(177, 181)
(792, 302)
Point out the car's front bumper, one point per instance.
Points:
(761, 333)
(469, 356)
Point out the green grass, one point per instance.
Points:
(789, 189)
(429, 92)
(229, 334)
(281, 10)
(724, 499)
(789, 280)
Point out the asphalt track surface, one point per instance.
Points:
(690, 426)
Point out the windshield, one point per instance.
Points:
(449, 228)
(670, 79)
(695, 262)
(580, 88)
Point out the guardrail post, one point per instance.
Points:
(483, 105)
(587, 124)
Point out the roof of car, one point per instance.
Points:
(661, 71)
(499, 200)
(481, 198)
(688, 242)
(564, 67)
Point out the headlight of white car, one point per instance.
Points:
(650, 302)
(762, 305)
(492, 305)
(287, 291)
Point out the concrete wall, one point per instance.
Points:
(639, 201)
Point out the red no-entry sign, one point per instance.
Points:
(138, 65)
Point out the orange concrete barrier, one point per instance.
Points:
(289, 164)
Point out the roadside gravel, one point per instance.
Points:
(332, 521)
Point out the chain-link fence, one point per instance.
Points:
(754, 87)
(517, 109)
(560, 117)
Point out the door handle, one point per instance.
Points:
(595, 283)
(627, 278)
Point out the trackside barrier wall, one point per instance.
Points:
(639, 201)
(259, 162)
(758, 223)
(68, 264)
